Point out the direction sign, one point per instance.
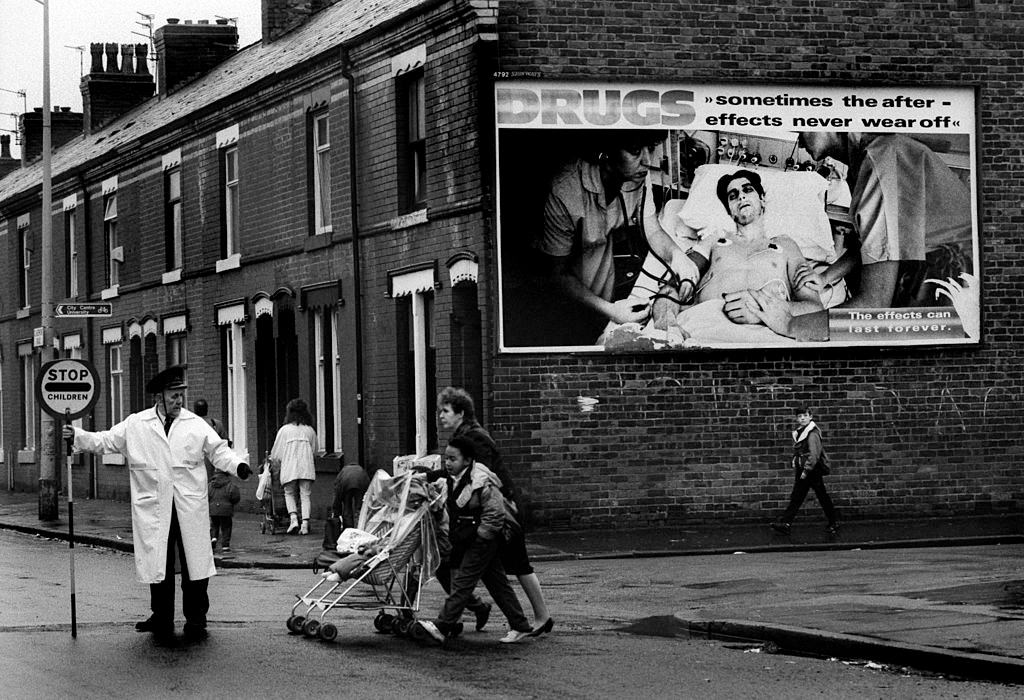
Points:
(67, 388)
(100, 308)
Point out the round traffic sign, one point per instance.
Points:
(67, 388)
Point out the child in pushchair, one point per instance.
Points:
(393, 550)
(270, 494)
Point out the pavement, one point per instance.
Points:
(942, 595)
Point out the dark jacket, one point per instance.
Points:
(223, 493)
(808, 451)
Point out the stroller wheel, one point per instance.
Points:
(311, 628)
(295, 623)
(328, 632)
(382, 623)
(403, 626)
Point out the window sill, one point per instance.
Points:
(113, 459)
(232, 262)
(24, 313)
(321, 240)
(413, 218)
(109, 292)
(26, 456)
(171, 277)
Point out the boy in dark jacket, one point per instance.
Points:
(477, 516)
(224, 494)
(810, 465)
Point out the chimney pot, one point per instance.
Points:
(127, 58)
(141, 65)
(202, 21)
(111, 51)
(222, 21)
(96, 51)
(65, 109)
(173, 20)
(5, 146)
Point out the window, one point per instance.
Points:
(177, 350)
(72, 350)
(231, 243)
(70, 253)
(28, 396)
(231, 320)
(417, 372)
(327, 360)
(172, 219)
(115, 383)
(136, 376)
(111, 241)
(410, 103)
(25, 269)
(321, 158)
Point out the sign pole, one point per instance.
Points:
(71, 527)
(68, 389)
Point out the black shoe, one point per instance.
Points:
(155, 625)
(543, 629)
(781, 527)
(195, 633)
(833, 529)
(483, 614)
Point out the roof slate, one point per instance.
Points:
(325, 30)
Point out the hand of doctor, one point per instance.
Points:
(68, 432)
(244, 471)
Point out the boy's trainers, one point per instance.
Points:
(431, 629)
(514, 637)
(781, 527)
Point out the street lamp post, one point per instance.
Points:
(48, 452)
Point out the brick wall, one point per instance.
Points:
(679, 439)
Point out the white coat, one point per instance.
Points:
(166, 470)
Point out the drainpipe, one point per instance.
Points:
(346, 72)
(89, 327)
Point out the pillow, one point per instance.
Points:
(794, 206)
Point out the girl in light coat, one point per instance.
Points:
(294, 449)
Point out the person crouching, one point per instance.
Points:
(477, 515)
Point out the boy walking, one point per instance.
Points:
(810, 465)
(224, 494)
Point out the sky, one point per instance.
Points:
(80, 23)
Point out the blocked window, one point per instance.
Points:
(417, 372)
(410, 103)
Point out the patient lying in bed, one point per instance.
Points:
(731, 267)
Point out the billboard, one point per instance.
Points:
(679, 217)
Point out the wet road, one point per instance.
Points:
(615, 637)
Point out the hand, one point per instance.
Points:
(807, 276)
(68, 432)
(244, 471)
(741, 307)
(630, 310)
(754, 306)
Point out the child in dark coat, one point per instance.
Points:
(224, 494)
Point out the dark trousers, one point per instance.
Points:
(481, 563)
(220, 529)
(813, 481)
(444, 577)
(195, 601)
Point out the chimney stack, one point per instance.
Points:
(110, 91)
(64, 126)
(185, 51)
(281, 16)
(8, 163)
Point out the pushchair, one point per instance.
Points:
(275, 516)
(394, 554)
